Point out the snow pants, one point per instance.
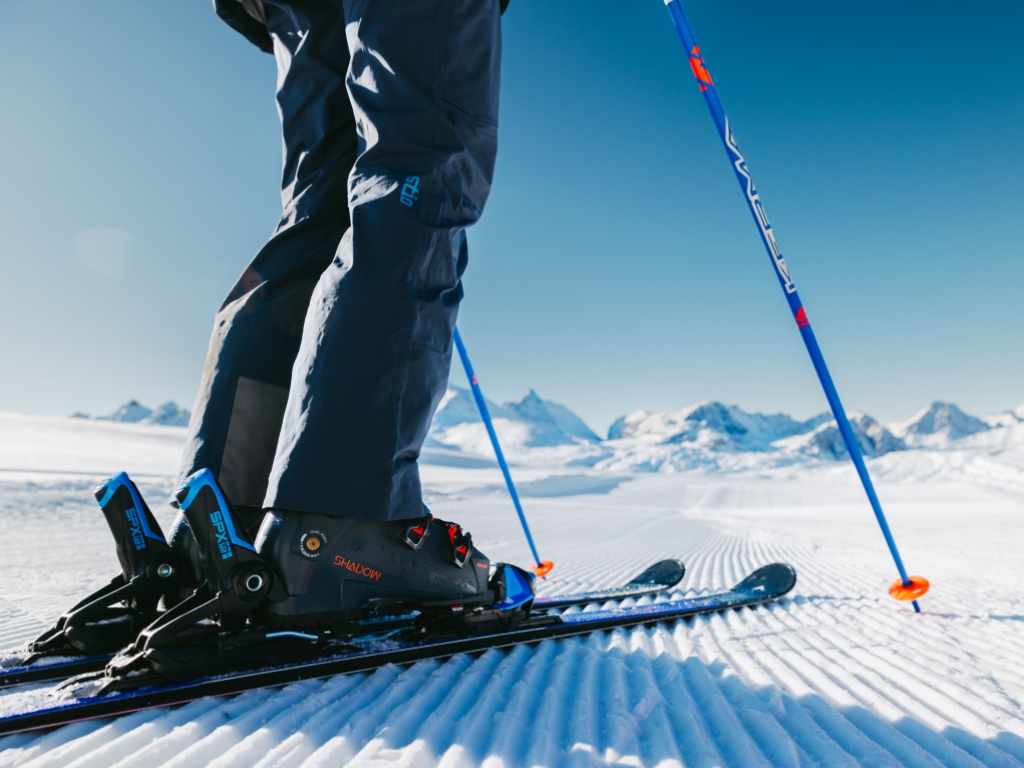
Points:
(331, 353)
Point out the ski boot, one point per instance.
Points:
(111, 617)
(340, 571)
(330, 573)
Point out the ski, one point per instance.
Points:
(48, 670)
(659, 577)
(77, 699)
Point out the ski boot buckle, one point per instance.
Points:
(416, 531)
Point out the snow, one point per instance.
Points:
(836, 674)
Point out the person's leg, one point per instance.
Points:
(237, 417)
(376, 346)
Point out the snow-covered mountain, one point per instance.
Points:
(709, 435)
(131, 412)
(826, 442)
(716, 436)
(937, 425)
(530, 408)
(529, 428)
(712, 425)
(170, 414)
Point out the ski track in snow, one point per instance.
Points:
(836, 674)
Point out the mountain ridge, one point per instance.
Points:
(711, 434)
(169, 414)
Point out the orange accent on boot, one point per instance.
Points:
(357, 568)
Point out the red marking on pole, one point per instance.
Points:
(475, 382)
(699, 70)
(801, 318)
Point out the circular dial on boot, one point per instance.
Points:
(312, 543)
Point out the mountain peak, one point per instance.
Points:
(530, 408)
(937, 423)
(529, 422)
(130, 412)
(825, 440)
(170, 414)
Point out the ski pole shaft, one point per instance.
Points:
(782, 273)
(481, 405)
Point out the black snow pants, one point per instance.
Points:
(331, 353)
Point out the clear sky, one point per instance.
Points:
(616, 267)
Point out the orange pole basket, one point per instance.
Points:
(543, 568)
(918, 586)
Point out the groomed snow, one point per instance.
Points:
(837, 674)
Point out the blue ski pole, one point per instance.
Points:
(543, 567)
(906, 587)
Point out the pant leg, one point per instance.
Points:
(376, 346)
(241, 402)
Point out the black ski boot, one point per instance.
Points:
(339, 570)
(322, 575)
(151, 574)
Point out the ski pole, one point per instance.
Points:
(543, 567)
(906, 587)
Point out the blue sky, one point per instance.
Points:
(616, 267)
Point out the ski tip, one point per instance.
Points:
(666, 573)
(775, 580)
